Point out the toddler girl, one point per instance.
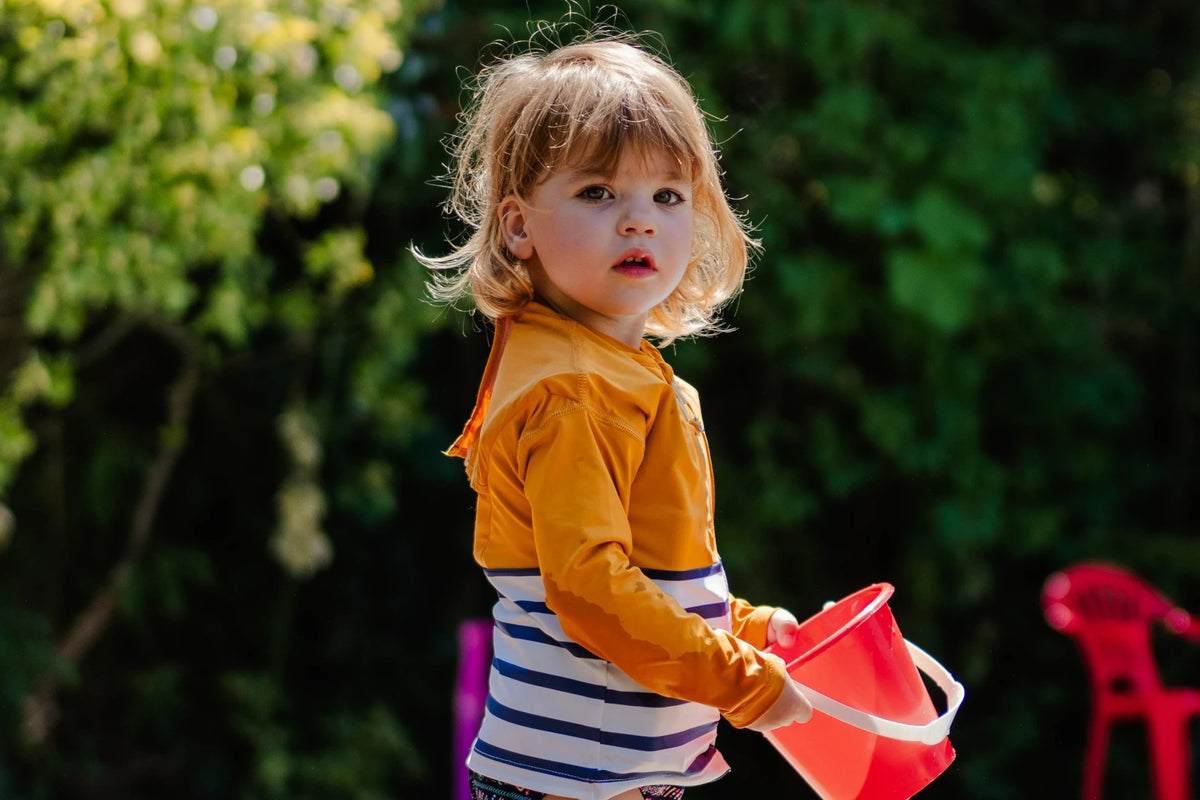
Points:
(589, 180)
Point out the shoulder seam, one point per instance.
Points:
(607, 419)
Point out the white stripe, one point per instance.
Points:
(593, 711)
(687, 593)
(563, 785)
(549, 723)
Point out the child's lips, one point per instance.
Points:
(635, 263)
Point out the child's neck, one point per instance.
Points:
(630, 336)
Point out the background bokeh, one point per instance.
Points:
(234, 558)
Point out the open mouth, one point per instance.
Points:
(637, 262)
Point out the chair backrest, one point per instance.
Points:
(1109, 612)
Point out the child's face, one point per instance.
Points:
(606, 249)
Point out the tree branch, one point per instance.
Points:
(40, 710)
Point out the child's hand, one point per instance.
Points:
(792, 706)
(781, 628)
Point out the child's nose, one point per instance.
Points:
(637, 220)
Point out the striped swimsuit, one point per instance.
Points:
(575, 710)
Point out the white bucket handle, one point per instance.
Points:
(930, 733)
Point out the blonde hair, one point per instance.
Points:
(580, 105)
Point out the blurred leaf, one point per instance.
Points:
(938, 288)
(946, 225)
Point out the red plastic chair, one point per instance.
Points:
(1109, 612)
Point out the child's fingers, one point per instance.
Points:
(782, 628)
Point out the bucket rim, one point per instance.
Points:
(883, 591)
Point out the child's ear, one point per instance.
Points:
(512, 228)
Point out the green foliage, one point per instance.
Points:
(144, 142)
(184, 187)
(27, 657)
(359, 756)
(966, 357)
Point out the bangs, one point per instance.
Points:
(585, 117)
(596, 139)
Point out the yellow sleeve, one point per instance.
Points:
(750, 621)
(579, 468)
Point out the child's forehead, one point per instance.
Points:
(629, 159)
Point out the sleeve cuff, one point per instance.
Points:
(750, 622)
(775, 674)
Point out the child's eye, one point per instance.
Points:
(668, 197)
(595, 193)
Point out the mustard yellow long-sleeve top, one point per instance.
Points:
(595, 524)
(591, 464)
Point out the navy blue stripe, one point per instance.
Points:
(540, 723)
(584, 774)
(539, 636)
(528, 606)
(700, 762)
(569, 685)
(657, 574)
(631, 741)
(583, 688)
(710, 611)
(641, 699)
(628, 741)
(531, 606)
(683, 575)
(661, 574)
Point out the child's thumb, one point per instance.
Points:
(784, 627)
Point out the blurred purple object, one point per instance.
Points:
(470, 694)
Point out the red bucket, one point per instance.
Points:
(874, 734)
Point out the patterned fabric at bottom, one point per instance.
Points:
(485, 788)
